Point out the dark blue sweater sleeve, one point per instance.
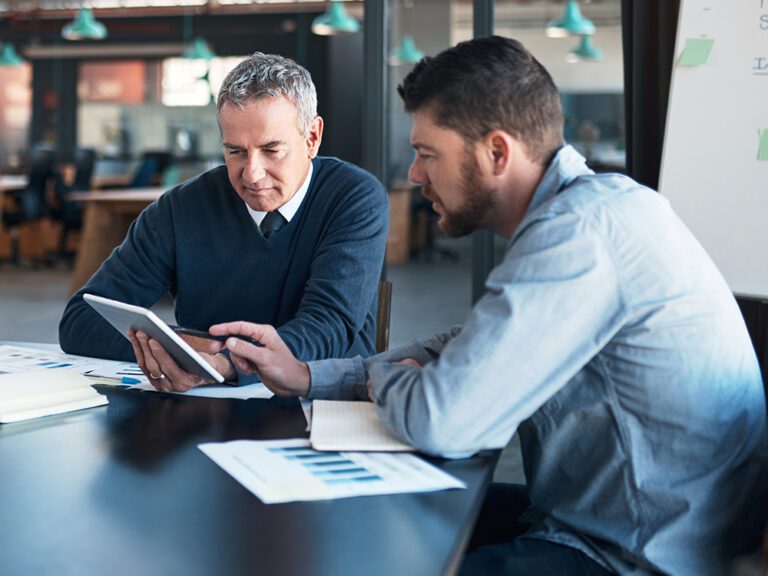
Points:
(138, 272)
(340, 294)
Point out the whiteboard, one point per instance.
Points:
(716, 121)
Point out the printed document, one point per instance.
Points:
(255, 390)
(290, 470)
(15, 359)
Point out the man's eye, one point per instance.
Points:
(233, 152)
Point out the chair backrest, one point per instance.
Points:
(383, 313)
(85, 159)
(42, 161)
(42, 168)
(150, 169)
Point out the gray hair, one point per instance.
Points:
(271, 76)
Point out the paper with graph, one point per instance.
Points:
(290, 470)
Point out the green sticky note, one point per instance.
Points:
(762, 150)
(696, 52)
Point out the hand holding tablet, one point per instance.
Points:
(127, 317)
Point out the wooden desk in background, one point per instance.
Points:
(100, 181)
(107, 218)
(8, 183)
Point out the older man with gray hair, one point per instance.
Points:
(277, 236)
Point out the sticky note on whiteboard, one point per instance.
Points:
(696, 52)
(762, 150)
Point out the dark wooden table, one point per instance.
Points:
(123, 489)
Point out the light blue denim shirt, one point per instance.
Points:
(610, 341)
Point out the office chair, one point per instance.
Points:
(383, 313)
(151, 168)
(70, 213)
(31, 204)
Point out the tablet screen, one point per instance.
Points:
(125, 317)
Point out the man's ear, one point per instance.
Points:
(500, 149)
(315, 136)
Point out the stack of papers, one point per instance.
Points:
(36, 393)
(18, 359)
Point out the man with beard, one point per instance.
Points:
(607, 338)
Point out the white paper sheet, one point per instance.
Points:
(15, 359)
(121, 373)
(289, 471)
(339, 425)
(257, 390)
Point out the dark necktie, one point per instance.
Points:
(272, 222)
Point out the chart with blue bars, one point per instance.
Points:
(291, 470)
(329, 467)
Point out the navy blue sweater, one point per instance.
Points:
(315, 279)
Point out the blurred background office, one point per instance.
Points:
(120, 95)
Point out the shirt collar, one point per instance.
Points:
(566, 166)
(289, 209)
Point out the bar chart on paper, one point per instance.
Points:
(21, 359)
(290, 470)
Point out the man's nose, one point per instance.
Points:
(416, 173)
(254, 169)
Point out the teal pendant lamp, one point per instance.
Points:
(8, 56)
(586, 51)
(84, 27)
(198, 50)
(571, 23)
(335, 21)
(406, 53)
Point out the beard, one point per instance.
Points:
(478, 202)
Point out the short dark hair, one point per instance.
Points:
(487, 84)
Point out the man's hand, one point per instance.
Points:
(163, 372)
(276, 365)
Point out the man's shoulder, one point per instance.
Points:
(605, 194)
(206, 182)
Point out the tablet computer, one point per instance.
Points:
(127, 316)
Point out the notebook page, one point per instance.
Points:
(351, 426)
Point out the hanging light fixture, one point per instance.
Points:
(586, 51)
(84, 27)
(406, 53)
(8, 56)
(571, 23)
(335, 20)
(198, 50)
